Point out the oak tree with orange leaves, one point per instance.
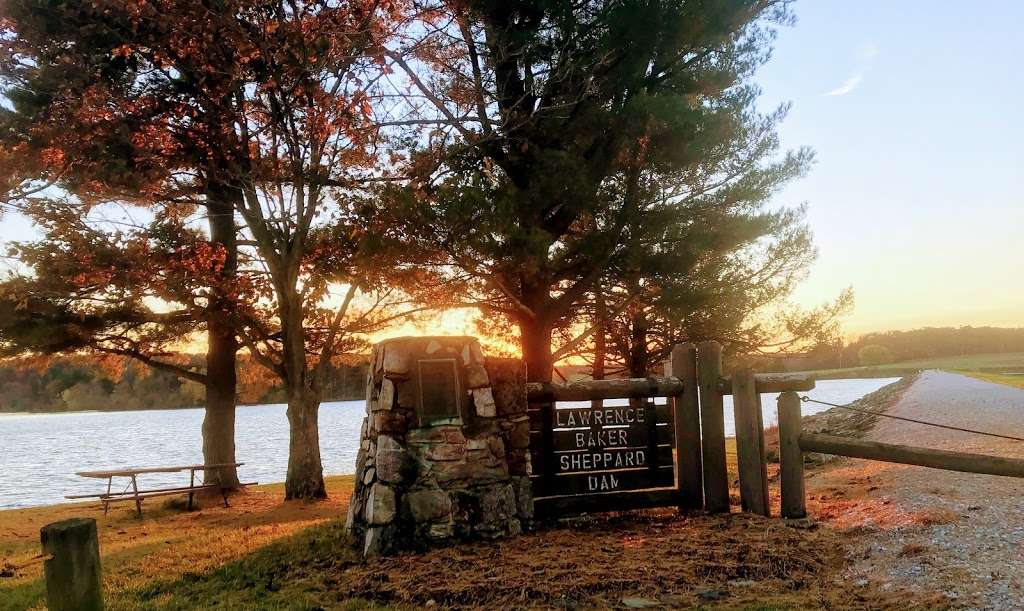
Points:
(259, 112)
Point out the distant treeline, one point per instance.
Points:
(74, 383)
(898, 346)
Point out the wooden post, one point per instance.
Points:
(651, 418)
(135, 490)
(791, 458)
(712, 422)
(72, 569)
(761, 450)
(750, 444)
(547, 446)
(106, 501)
(686, 418)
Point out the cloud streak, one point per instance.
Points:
(848, 85)
(866, 56)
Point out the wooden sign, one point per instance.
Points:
(588, 450)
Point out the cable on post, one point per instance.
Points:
(806, 399)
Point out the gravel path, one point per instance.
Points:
(955, 539)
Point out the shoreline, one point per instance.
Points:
(156, 409)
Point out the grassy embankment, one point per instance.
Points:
(995, 365)
(1016, 381)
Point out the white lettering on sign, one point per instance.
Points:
(599, 461)
(600, 483)
(572, 418)
(601, 439)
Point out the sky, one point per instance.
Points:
(915, 200)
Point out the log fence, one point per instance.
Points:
(683, 443)
(794, 443)
(585, 460)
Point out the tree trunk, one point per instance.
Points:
(219, 431)
(639, 357)
(639, 361)
(536, 343)
(221, 349)
(305, 478)
(600, 342)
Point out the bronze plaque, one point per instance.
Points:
(439, 391)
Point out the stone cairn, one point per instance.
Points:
(444, 448)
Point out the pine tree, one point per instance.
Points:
(96, 126)
(541, 111)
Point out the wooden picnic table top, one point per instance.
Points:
(130, 471)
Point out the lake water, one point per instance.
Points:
(40, 453)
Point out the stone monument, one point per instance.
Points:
(444, 448)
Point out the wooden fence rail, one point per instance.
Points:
(629, 388)
(794, 443)
(695, 390)
(633, 388)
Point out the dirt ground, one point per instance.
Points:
(262, 553)
(649, 559)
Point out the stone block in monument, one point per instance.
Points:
(444, 449)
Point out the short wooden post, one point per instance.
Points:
(686, 419)
(138, 499)
(750, 444)
(72, 570)
(791, 459)
(548, 464)
(712, 422)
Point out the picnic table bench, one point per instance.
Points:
(131, 492)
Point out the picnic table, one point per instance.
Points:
(131, 492)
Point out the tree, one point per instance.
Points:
(546, 115)
(90, 115)
(262, 108)
(303, 137)
(873, 355)
(131, 293)
(709, 264)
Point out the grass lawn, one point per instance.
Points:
(264, 553)
(975, 362)
(166, 545)
(1016, 381)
